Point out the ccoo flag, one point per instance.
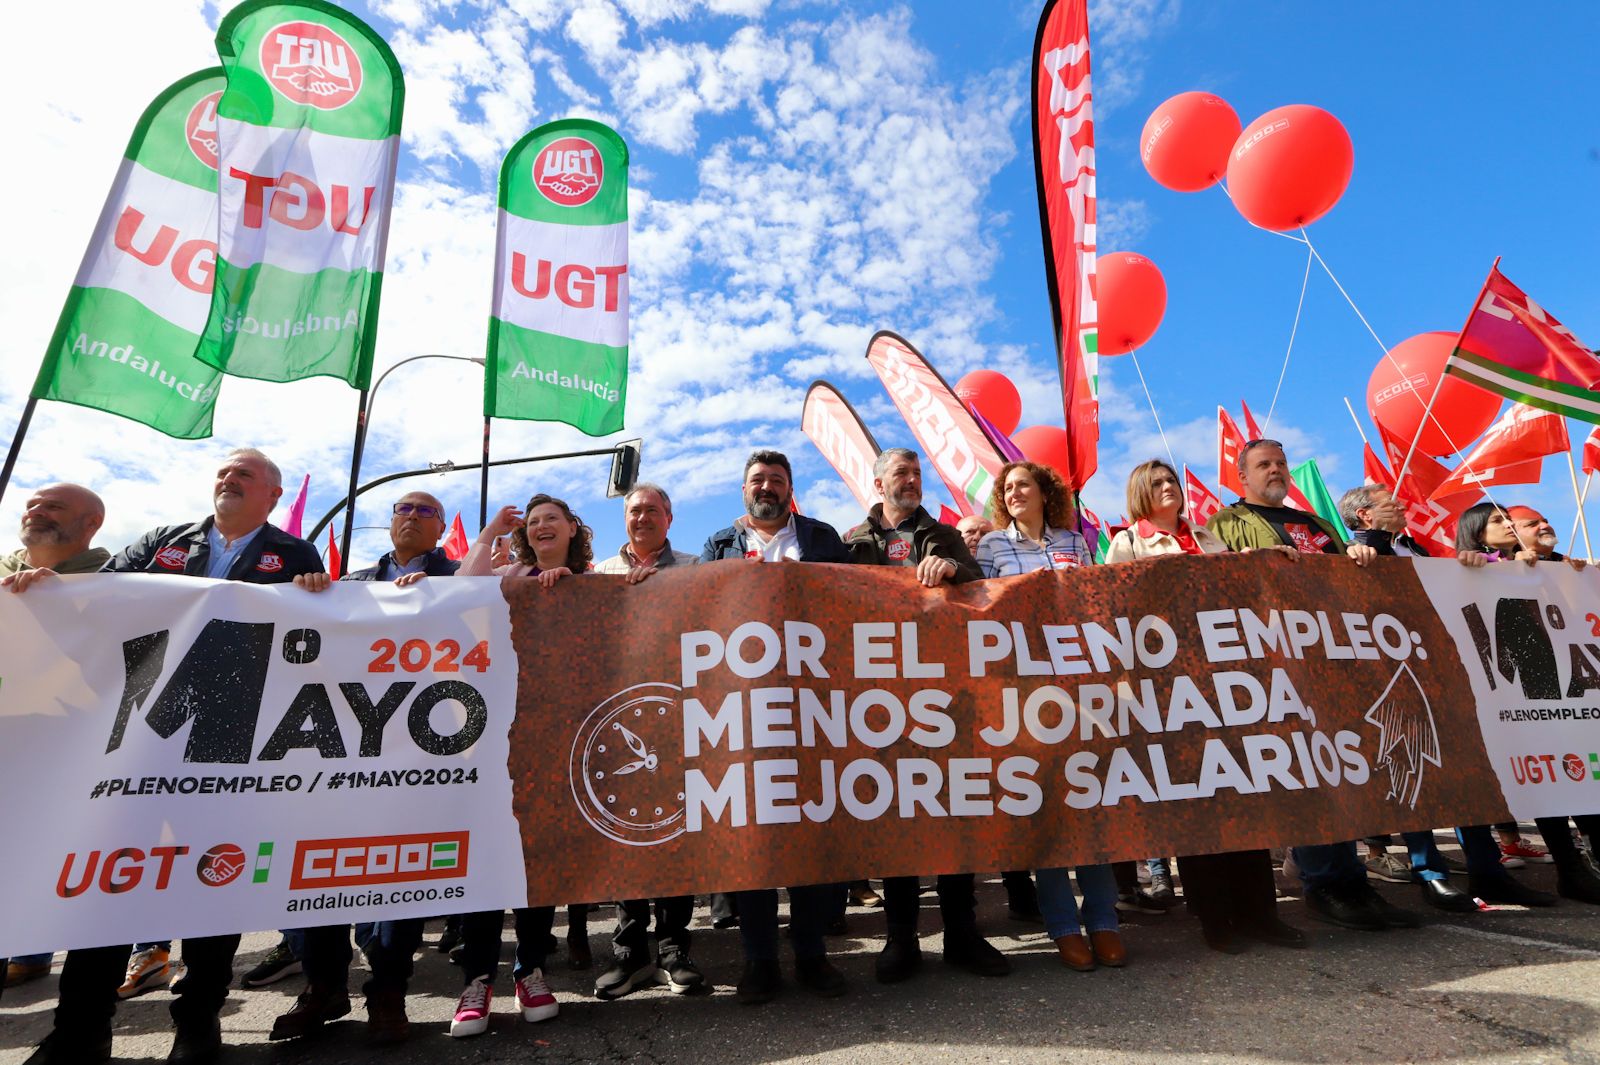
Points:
(125, 340)
(558, 330)
(309, 132)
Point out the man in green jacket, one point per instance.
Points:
(57, 525)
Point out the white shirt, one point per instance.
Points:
(783, 546)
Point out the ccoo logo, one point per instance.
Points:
(311, 64)
(200, 128)
(569, 171)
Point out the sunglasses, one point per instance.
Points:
(421, 510)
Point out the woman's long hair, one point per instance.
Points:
(580, 550)
(1142, 491)
(1057, 496)
(1471, 525)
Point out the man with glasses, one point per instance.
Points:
(415, 531)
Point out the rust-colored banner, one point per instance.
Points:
(737, 725)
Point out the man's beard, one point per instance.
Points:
(767, 510)
(1275, 494)
(44, 536)
(907, 500)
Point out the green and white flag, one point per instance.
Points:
(125, 340)
(558, 331)
(309, 131)
(1308, 478)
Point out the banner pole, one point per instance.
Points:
(16, 444)
(483, 484)
(1583, 497)
(1353, 418)
(355, 477)
(1572, 470)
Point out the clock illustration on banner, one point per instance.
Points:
(626, 767)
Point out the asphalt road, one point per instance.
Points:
(1508, 985)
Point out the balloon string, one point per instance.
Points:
(1294, 329)
(1134, 354)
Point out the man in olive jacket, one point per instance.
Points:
(898, 532)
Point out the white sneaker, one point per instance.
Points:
(472, 1011)
(537, 1000)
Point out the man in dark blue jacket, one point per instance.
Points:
(234, 543)
(771, 531)
(415, 531)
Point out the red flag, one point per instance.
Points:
(1250, 425)
(1202, 501)
(844, 440)
(1424, 475)
(1229, 443)
(1513, 347)
(1511, 452)
(1064, 171)
(455, 545)
(948, 516)
(1431, 523)
(1591, 452)
(332, 559)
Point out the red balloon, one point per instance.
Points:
(1290, 166)
(1399, 389)
(1131, 296)
(992, 395)
(1187, 140)
(1046, 445)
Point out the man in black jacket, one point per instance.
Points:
(415, 531)
(898, 532)
(771, 531)
(233, 543)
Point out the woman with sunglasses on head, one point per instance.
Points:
(1232, 894)
(1033, 508)
(548, 542)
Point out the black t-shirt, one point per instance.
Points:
(1296, 529)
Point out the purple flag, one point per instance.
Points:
(297, 509)
(1009, 451)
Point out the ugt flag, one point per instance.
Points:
(309, 132)
(125, 340)
(558, 330)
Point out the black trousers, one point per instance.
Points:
(1231, 889)
(90, 978)
(631, 938)
(480, 941)
(957, 903)
(393, 943)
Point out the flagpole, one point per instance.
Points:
(1582, 498)
(1588, 551)
(355, 475)
(16, 444)
(483, 484)
(1353, 418)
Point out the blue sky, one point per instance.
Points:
(806, 173)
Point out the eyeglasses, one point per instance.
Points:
(421, 510)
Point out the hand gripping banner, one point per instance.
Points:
(1064, 169)
(309, 135)
(844, 440)
(558, 330)
(126, 338)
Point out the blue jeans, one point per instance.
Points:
(1330, 865)
(1060, 906)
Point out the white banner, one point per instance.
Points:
(192, 757)
(1529, 639)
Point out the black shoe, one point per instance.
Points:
(1343, 909)
(578, 956)
(279, 963)
(1274, 932)
(196, 1043)
(1579, 881)
(974, 954)
(1022, 900)
(450, 937)
(759, 983)
(681, 974)
(838, 926)
(1141, 901)
(1508, 890)
(57, 1049)
(314, 1008)
(899, 959)
(1392, 915)
(1220, 937)
(731, 921)
(458, 954)
(624, 975)
(1161, 890)
(818, 976)
(1441, 895)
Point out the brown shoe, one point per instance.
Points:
(1108, 949)
(314, 1008)
(1075, 952)
(386, 1018)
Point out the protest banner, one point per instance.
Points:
(726, 726)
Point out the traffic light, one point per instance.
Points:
(624, 468)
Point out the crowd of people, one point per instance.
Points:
(1034, 527)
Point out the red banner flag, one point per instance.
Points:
(1250, 425)
(1229, 443)
(844, 440)
(1513, 347)
(332, 559)
(952, 442)
(1431, 523)
(1064, 169)
(1202, 501)
(1591, 452)
(455, 545)
(1511, 452)
(948, 516)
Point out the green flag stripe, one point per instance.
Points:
(520, 196)
(1584, 406)
(546, 378)
(163, 146)
(255, 309)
